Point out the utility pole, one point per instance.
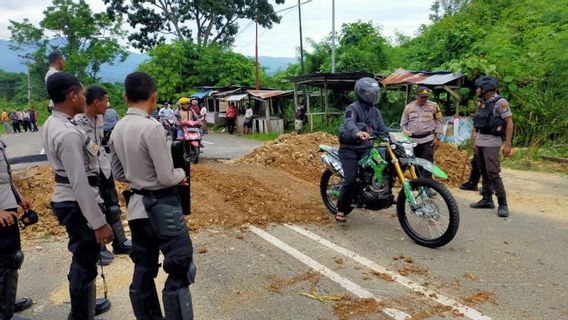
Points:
(332, 36)
(256, 56)
(301, 37)
(28, 65)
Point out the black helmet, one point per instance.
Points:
(368, 91)
(487, 83)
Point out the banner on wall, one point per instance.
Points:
(457, 129)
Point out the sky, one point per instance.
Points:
(404, 16)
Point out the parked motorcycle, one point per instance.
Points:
(191, 137)
(427, 211)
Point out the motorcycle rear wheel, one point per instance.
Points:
(330, 183)
(440, 234)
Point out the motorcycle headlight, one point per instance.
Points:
(408, 149)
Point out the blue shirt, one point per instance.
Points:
(110, 119)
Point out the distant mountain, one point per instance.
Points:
(10, 62)
(274, 64)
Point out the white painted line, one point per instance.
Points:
(42, 151)
(441, 299)
(207, 142)
(335, 277)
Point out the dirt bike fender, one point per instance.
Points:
(331, 163)
(194, 143)
(427, 165)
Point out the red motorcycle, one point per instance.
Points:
(191, 136)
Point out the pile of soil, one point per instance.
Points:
(37, 184)
(296, 154)
(299, 156)
(348, 308)
(452, 161)
(223, 195)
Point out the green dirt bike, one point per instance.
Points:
(426, 209)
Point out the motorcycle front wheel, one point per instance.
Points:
(435, 221)
(194, 154)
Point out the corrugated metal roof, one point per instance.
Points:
(236, 97)
(267, 94)
(402, 76)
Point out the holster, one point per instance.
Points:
(164, 212)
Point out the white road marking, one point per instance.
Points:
(335, 277)
(42, 151)
(441, 299)
(207, 142)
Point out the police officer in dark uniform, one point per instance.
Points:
(92, 122)
(362, 120)
(492, 121)
(76, 201)
(141, 157)
(11, 255)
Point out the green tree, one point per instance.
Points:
(215, 20)
(182, 65)
(86, 39)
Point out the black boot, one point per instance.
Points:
(177, 304)
(106, 256)
(120, 244)
(22, 304)
(469, 186)
(485, 203)
(8, 288)
(102, 305)
(503, 210)
(83, 303)
(146, 306)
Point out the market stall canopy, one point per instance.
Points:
(267, 94)
(424, 78)
(201, 94)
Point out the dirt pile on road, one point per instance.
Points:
(452, 161)
(296, 154)
(223, 195)
(37, 185)
(232, 195)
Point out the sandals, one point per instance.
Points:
(340, 218)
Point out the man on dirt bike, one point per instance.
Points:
(362, 120)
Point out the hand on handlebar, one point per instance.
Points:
(363, 135)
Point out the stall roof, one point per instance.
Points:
(438, 78)
(335, 81)
(267, 94)
(236, 97)
(201, 94)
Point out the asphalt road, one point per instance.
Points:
(514, 268)
(27, 146)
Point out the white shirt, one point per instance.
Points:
(248, 113)
(49, 73)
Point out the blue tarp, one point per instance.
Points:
(201, 94)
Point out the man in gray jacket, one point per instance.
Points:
(362, 120)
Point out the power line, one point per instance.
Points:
(266, 30)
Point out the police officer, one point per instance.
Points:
(492, 122)
(422, 121)
(141, 156)
(362, 120)
(11, 255)
(76, 201)
(92, 123)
